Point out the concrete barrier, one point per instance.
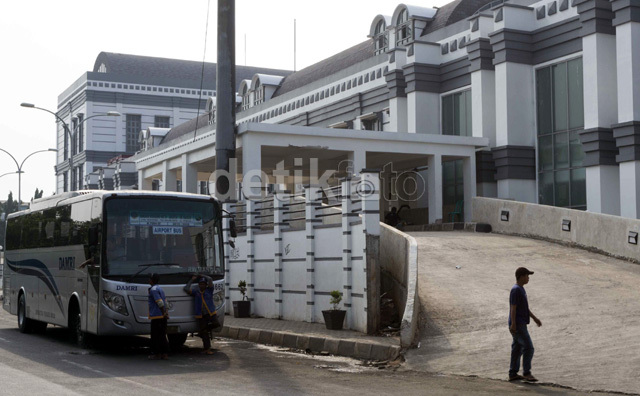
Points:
(399, 267)
(594, 231)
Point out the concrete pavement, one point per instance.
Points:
(589, 305)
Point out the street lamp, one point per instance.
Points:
(20, 171)
(72, 134)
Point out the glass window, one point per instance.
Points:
(134, 125)
(174, 238)
(161, 122)
(456, 114)
(560, 116)
(452, 185)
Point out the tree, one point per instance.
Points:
(11, 205)
(38, 194)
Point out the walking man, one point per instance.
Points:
(158, 313)
(205, 308)
(519, 315)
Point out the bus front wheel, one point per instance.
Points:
(78, 337)
(24, 324)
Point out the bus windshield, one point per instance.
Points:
(172, 237)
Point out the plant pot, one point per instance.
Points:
(334, 318)
(242, 309)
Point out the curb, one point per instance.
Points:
(349, 348)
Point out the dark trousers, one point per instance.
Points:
(204, 331)
(522, 346)
(159, 343)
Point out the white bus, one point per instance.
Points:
(82, 260)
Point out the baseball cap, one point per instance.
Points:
(202, 279)
(523, 271)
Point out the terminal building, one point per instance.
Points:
(147, 92)
(534, 101)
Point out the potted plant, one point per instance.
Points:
(334, 317)
(242, 308)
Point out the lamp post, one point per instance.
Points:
(71, 133)
(20, 171)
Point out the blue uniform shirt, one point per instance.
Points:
(204, 301)
(156, 294)
(518, 297)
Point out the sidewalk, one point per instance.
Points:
(311, 336)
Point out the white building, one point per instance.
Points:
(535, 101)
(146, 91)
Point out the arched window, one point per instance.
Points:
(380, 37)
(403, 28)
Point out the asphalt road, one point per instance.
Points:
(48, 364)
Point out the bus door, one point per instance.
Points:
(92, 280)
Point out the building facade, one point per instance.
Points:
(145, 91)
(535, 101)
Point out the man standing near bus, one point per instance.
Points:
(158, 313)
(204, 307)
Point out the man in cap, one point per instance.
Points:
(205, 309)
(519, 315)
(158, 313)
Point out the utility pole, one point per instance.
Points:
(226, 96)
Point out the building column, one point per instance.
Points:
(435, 188)
(189, 176)
(600, 107)
(469, 180)
(423, 98)
(168, 178)
(483, 102)
(627, 131)
(358, 161)
(514, 153)
(397, 96)
(143, 184)
(251, 167)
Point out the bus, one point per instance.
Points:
(82, 260)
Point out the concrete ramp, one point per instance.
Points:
(589, 305)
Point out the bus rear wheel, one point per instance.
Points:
(176, 341)
(24, 324)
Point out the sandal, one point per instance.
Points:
(209, 352)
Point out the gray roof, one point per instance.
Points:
(453, 12)
(186, 127)
(327, 67)
(173, 69)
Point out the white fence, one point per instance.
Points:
(293, 250)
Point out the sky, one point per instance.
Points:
(46, 45)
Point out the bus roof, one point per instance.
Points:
(74, 196)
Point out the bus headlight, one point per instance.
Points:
(218, 299)
(115, 302)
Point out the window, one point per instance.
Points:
(80, 178)
(259, 95)
(80, 133)
(371, 122)
(204, 187)
(452, 185)
(134, 125)
(456, 114)
(380, 37)
(560, 116)
(65, 182)
(74, 129)
(161, 122)
(403, 28)
(65, 132)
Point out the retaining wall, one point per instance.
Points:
(604, 233)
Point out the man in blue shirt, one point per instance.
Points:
(158, 313)
(519, 315)
(205, 309)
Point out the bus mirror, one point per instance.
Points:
(232, 229)
(93, 235)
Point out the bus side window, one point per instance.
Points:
(13, 235)
(81, 218)
(63, 226)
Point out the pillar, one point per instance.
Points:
(189, 176)
(435, 187)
